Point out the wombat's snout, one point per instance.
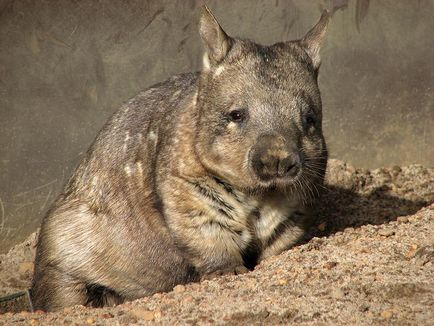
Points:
(272, 157)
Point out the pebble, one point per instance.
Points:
(396, 170)
(179, 288)
(411, 252)
(337, 293)
(386, 314)
(67, 310)
(402, 219)
(188, 298)
(364, 307)
(283, 281)
(141, 313)
(330, 264)
(157, 314)
(386, 232)
(424, 255)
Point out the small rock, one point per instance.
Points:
(141, 313)
(90, 320)
(364, 307)
(386, 314)
(157, 314)
(402, 219)
(283, 281)
(33, 322)
(179, 288)
(425, 254)
(386, 232)
(337, 293)
(67, 310)
(188, 298)
(396, 170)
(412, 219)
(411, 252)
(330, 264)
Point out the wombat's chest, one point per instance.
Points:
(248, 217)
(274, 211)
(216, 211)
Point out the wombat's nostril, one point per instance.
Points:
(269, 164)
(287, 166)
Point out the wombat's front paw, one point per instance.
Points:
(238, 270)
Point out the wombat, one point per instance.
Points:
(205, 173)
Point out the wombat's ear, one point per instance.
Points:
(313, 39)
(216, 41)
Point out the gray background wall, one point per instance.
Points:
(65, 66)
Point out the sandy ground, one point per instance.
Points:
(370, 261)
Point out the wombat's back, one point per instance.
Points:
(106, 227)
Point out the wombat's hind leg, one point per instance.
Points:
(100, 296)
(53, 290)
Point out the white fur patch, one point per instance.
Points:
(232, 125)
(194, 101)
(218, 71)
(127, 138)
(152, 135)
(271, 215)
(127, 170)
(140, 168)
(205, 60)
(140, 137)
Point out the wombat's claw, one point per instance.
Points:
(238, 270)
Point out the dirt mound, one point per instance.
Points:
(370, 259)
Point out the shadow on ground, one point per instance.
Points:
(342, 208)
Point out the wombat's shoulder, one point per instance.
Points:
(131, 133)
(155, 102)
(156, 106)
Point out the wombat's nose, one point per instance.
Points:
(272, 158)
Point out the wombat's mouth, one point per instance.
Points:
(279, 181)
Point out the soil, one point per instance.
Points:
(370, 260)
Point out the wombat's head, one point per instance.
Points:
(259, 108)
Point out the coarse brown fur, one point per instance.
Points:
(205, 172)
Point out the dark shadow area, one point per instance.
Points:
(341, 208)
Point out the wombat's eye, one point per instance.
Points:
(238, 115)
